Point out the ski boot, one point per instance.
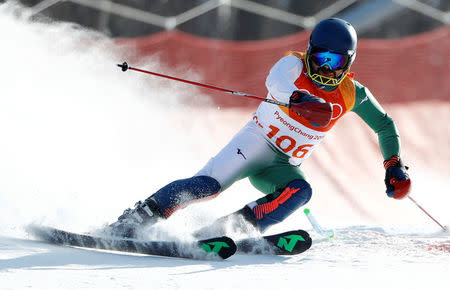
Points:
(132, 220)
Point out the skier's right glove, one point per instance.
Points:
(315, 110)
(397, 180)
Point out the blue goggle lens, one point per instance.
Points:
(334, 61)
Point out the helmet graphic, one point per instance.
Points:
(331, 51)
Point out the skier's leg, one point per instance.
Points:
(163, 203)
(180, 193)
(289, 192)
(246, 153)
(277, 206)
(286, 190)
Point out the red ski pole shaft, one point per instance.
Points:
(125, 67)
(415, 202)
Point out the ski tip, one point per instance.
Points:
(293, 242)
(306, 211)
(223, 247)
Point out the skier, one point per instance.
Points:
(320, 89)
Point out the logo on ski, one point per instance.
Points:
(289, 246)
(214, 247)
(239, 152)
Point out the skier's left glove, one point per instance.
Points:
(397, 180)
(315, 110)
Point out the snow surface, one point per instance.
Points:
(80, 141)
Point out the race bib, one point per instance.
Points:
(290, 137)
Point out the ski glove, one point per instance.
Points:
(397, 180)
(315, 110)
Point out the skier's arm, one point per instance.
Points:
(366, 106)
(280, 81)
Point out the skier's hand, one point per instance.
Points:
(315, 110)
(397, 180)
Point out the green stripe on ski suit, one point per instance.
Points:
(278, 174)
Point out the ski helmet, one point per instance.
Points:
(332, 47)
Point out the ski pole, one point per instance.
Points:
(126, 67)
(415, 202)
(316, 226)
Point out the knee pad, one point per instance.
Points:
(277, 206)
(182, 192)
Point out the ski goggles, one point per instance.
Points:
(334, 61)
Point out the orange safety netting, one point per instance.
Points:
(395, 70)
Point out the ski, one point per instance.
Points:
(213, 248)
(286, 243)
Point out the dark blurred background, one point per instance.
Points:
(245, 19)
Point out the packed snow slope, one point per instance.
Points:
(80, 141)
